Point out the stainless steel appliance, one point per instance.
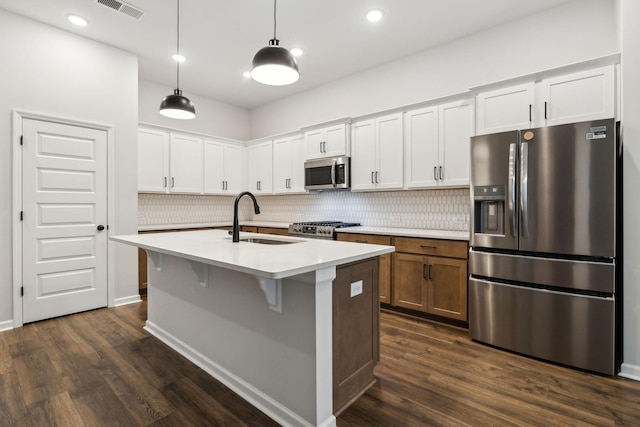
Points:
(328, 174)
(319, 229)
(543, 243)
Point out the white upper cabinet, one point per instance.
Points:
(505, 109)
(576, 97)
(456, 127)
(437, 145)
(223, 167)
(288, 164)
(329, 141)
(260, 168)
(186, 164)
(169, 163)
(153, 161)
(588, 95)
(377, 153)
(421, 147)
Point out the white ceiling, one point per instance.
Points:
(219, 38)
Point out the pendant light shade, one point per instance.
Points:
(274, 65)
(177, 106)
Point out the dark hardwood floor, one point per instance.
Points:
(100, 368)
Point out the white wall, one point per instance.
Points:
(212, 117)
(56, 73)
(573, 32)
(630, 11)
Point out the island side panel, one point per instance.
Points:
(276, 361)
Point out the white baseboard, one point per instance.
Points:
(265, 403)
(630, 371)
(7, 325)
(126, 300)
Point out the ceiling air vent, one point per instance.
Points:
(122, 7)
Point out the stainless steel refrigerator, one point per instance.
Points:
(543, 243)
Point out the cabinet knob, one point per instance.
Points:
(100, 227)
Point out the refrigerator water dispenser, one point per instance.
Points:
(489, 207)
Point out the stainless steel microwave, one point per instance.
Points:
(332, 173)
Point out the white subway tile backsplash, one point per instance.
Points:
(423, 209)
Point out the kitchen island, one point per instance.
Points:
(258, 315)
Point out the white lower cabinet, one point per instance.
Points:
(260, 168)
(169, 162)
(437, 144)
(377, 154)
(223, 167)
(289, 154)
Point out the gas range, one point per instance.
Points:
(319, 229)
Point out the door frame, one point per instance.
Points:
(17, 118)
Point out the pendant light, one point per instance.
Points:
(177, 106)
(274, 65)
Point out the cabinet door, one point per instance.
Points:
(456, 128)
(298, 156)
(153, 161)
(282, 161)
(421, 147)
(409, 281)
(335, 138)
(505, 109)
(213, 153)
(233, 168)
(363, 159)
(260, 168)
(186, 164)
(314, 141)
(447, 288)
(588, 95)
(389, 152)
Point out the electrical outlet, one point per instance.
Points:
(356, 288)
(459, 219)
(396, 218)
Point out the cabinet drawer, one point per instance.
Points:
(273, 230)
(365, 238)
(446, 248)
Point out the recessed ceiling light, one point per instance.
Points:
(247, 74)
(296, 51)
(178, 58)
(374, 15)
(77, 20)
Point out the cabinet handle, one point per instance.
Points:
(424, 271)
(529, 112)
(173, 182)
(223, 185)
(545, 110)
(361, 241)
(165, 182)
(321, 146)
(376, 177)
(441, 174)
(372, 176)
(427, 247)
(257, 185)
(429, 275)
(226, 185)
(324, 146)
(435, 173)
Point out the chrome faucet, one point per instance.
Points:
(236, 227)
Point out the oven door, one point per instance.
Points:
(327, 174)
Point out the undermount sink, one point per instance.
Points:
(264, 241)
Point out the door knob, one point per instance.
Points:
(100, 227)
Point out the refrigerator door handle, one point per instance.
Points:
(511, 203)
(524, 178)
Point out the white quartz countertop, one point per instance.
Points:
(215, 247)
(385, 231)
(408, 232)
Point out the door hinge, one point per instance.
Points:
(21, 139)
(21, 215)
(21, 291)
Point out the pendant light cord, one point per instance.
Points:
(178, 48)
(274, 19)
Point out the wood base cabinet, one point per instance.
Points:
(431, 284)
(384, 260)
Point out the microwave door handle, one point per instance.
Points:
(524, 183)
(512, 188)
(333, 172)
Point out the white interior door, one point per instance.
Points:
(64, 196)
